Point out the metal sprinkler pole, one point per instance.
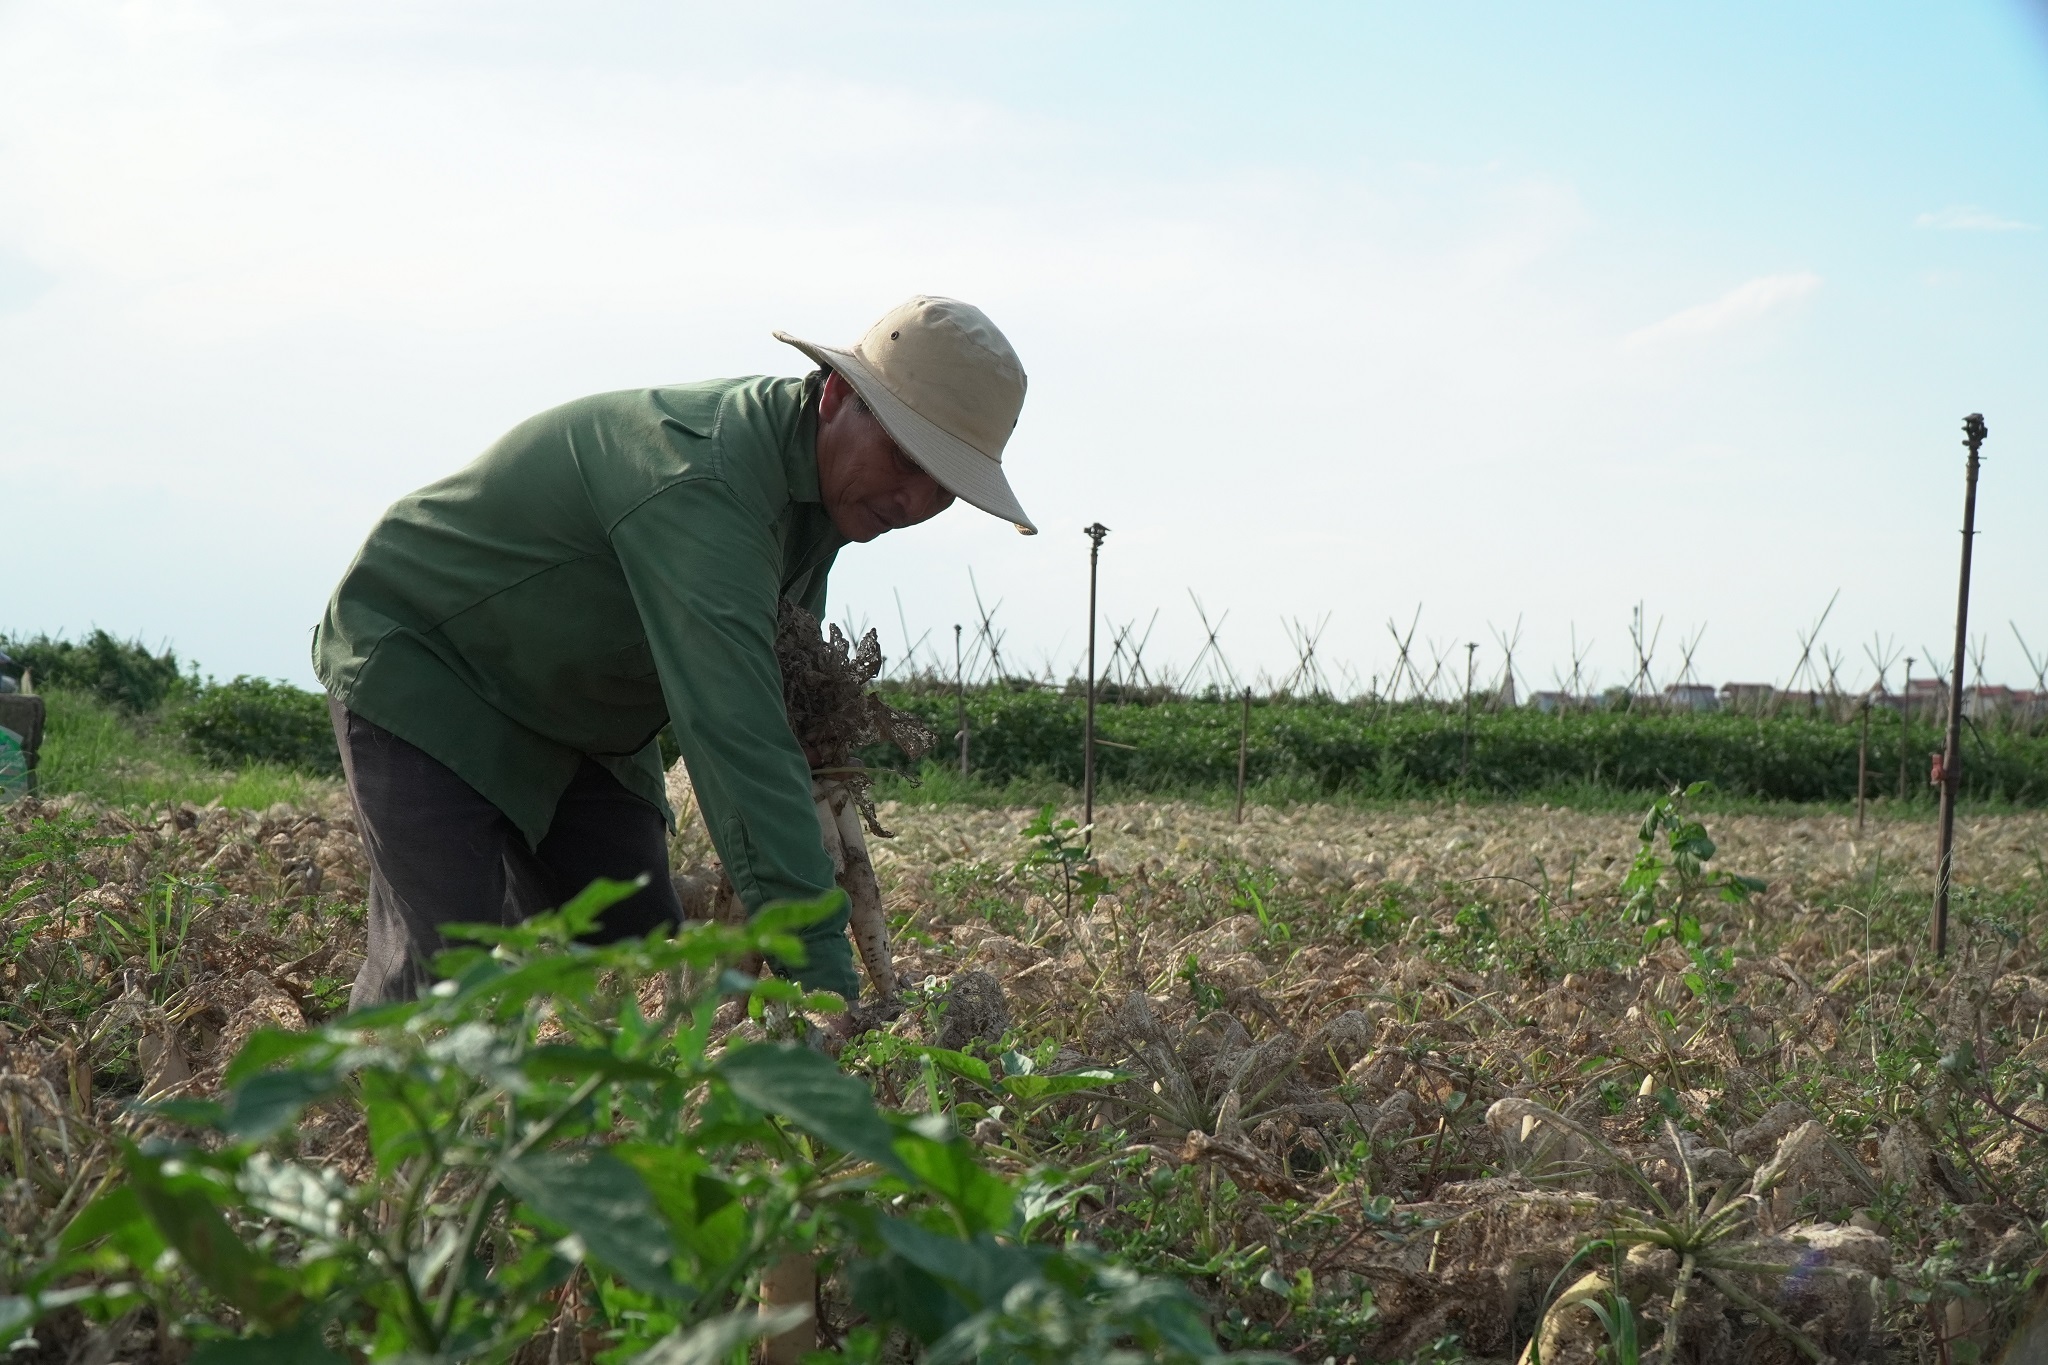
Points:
(1974, 432)
(960, 699)
(1244, 739)
(1905, 726)
(1863, 765)
(1095, 533)
(1465, 747)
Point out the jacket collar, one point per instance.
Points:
(800, 451)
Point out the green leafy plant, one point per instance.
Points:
(1675, 875)
(43, 864)
(1381, 917)
(1709, 976)
(1207, 996)
(156, 934)
(1247, 896)
(1057, 848)
(1011, 1090)
(531, 1131)
(1617, 1318)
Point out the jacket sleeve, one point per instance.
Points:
(704, 573)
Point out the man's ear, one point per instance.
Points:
(836, 392)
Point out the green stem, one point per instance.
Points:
(480, 1208)
(426, 1129)
(426, 1336)
(472, 1229)
(1015, 1130)
(1669, 1346)
(555, 1120)
(713, 1297)
(397, 1253)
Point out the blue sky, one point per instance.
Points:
(1515, 313)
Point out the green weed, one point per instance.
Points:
(1057, 858)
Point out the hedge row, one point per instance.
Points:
(1408, 751)
(1186, 745)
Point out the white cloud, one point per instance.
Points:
(1744, 303)
(1969, 218)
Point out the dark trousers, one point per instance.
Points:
(440, 853)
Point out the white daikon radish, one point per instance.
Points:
(865, 918)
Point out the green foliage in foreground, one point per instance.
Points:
(1321, 749)
(619, 1159)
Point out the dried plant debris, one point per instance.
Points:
(1443, 1071)
(1397, 1084)
(827, 683)
(138, 950)
(974, 1012)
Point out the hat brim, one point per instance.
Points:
(961, 470)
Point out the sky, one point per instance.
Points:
(1517, 317)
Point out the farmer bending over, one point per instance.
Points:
(509, 641)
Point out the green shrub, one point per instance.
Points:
(122, 672)
(255, 720)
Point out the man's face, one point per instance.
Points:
(868, 485)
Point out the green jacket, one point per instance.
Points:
(607, 568)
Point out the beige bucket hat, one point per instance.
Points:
(947, 387)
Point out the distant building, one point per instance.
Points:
(1926, 698)
(1982, 703)
(1746, 696)
(1691, 697)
